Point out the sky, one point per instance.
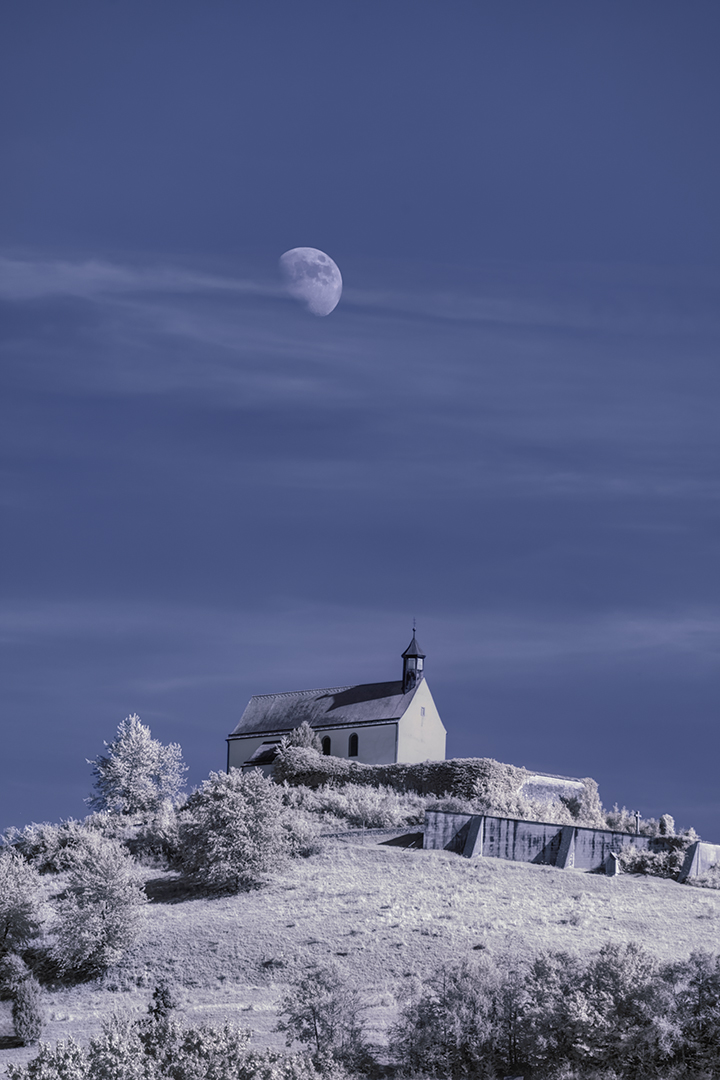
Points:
(508, 428)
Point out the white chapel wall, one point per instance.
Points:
(421, 734)
(376, 744)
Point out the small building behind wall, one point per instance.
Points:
(372, 723)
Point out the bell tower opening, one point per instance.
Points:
(413, 665)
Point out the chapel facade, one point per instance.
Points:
(372, 723)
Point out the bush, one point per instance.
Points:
(65, 1061)
(359, 806)
(303, 736)
(490, 786)
(157, 841)
(101, 913)
(20, 914)
(449, 1024)
(137, 774)
(27, 1011)
(52, 848)
(664, 858)
(237, 830)
(710, 880)
(13, 970)
(323, 1012)
(178, 1053)
(468, 778)
(616, 1013)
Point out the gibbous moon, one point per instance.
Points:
(311, 276)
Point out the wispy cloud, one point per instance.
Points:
(612, 299)
(337, 632)
(31, 279)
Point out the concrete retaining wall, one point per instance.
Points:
(564, 846)
(699, 857)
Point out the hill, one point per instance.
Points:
(385, 915)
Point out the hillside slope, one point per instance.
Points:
(384, 915)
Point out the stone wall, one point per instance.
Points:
(563, 846)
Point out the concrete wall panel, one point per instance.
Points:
(564, 846)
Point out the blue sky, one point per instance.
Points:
(508, 428)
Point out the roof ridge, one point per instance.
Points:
(552, 775)
(317, 690)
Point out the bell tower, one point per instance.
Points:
(413, 665)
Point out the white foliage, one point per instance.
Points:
(137, 774)
(238, 830)
(20, 914)
(101, 914)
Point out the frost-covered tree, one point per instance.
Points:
(20, 915)
(137, 774)
(236, 831)
(102, 912)
(302, 736)
(28, 1013)
(323, 1011)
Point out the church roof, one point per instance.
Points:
(333, 706)
(264, 755)
(413, 649)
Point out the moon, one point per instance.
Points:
(312, 277)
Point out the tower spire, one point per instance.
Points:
(413, 664)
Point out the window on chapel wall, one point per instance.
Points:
(326, 745)
(353, 745)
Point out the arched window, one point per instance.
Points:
(326, 745)
(353, 745)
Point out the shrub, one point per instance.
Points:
(27, 1011)
(359, 805)
(303, 736)
(52, 848)
(449, 1024)
(612, 1014)
(322, 1011)
(236, 831)
(20, 914)
(13, 970)
(626, 821)
(101, 914)
(180, 1053)
(586, 807)
(137, 774)
(621, 820)
(465, 777)
(64, 1061)
(709, 880)
(664, 858)
(157, 841)
(490, 786)
(697, 1002)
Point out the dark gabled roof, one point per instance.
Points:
(335, 705)
(265, 754)
(413, 649)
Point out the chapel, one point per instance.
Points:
(373, 723)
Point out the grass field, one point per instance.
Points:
(384, 915)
